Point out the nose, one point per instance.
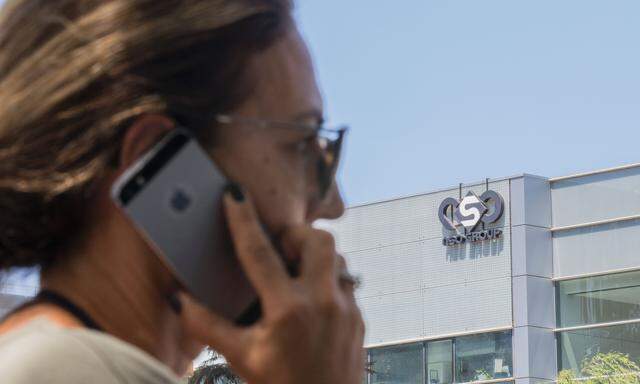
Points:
(332, 207)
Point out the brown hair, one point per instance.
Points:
(75, 73)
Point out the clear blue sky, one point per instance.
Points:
(446, 91)
(442, 92)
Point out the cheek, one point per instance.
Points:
(277, 183)
(267, 169)
(279, 192)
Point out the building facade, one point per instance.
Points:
(510, 280)
(16, 287)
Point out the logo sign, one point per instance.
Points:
(180, 200)
(468, 213)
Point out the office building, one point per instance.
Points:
(509, 280)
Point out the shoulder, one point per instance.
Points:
(40, 352)
(129, 363)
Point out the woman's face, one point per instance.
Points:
(278, 165)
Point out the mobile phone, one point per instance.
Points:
(173, 196)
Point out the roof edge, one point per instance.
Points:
(439, 190)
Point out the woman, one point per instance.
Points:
(87, 86)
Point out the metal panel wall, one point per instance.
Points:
(16, 286)
(403, 220)
(413, 286)
(20, 281)
(595, 198)
(597, 249)
(588, 199)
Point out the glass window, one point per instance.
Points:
(367, 368)
(397, 365)
(606, 350)
(483, 357)
(599, 299)
(440, 362)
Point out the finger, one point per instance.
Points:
(262, 264)
(319, 261)
(361, 326)
(348, 281)
(316, 248)
(292, 242)
(211, 329)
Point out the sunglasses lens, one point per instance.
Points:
(323, 178)
(328, 164)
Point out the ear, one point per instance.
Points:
(141, 136)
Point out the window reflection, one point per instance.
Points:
(476, 358)
(397, 365)
(579, 347)
(440, 362)
(483, 357)
(599, 299)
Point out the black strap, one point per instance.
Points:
(51, 297)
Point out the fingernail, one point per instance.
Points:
(175, 303)
(235, 191)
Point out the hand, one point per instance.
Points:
(311, 329)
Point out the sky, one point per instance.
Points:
(441, 92)
(454, 91)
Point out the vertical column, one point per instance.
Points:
(534, 343)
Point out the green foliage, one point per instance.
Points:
(611, 368)
(604, 368)
(482, 374)
(566, 377)
(214, 371)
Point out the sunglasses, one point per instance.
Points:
(328, 140)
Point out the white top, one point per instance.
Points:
(43, 352)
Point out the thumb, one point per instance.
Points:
(211, 329)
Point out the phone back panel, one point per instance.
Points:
(179, 211)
